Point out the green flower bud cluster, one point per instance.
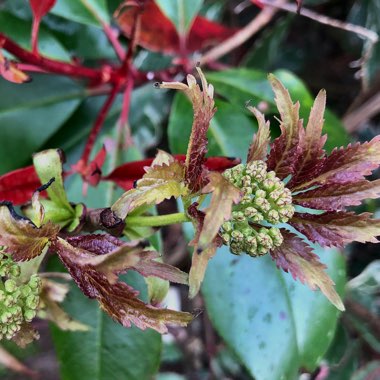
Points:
(18, 302)
(265, 200)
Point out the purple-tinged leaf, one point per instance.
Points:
(118, 300)
(336, 229)
(204, 109)
(112, 256)
(297, 258)
(287, 149)
(258, 150)
(313, 153)
(345, 165)
(22, 239)
(338, 196)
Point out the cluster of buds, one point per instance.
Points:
(266, 202)
(18, 302)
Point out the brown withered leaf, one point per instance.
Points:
(345, 165)
(313, 153)
(198, 268)
(26, 335)
(52, 293)
(204, 109)
(258, 150)
(223, 196)
(334, 197)
(286, 149)
(115, 257)
(160, 182)
(23, 239)
(336, 229)
(118, 300)
(296, 257)
(200, 257)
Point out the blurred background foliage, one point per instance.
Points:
(256, 322)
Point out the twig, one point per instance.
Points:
(51, 65)
(112, 38)
(98, 124)
(369, 35)
(354, 119)
(322, 19)
(262, 19)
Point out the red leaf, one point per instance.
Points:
(19, 185)
(91, 172)
(126, 174)
(41, 7)
(336, 229)
(157, 33)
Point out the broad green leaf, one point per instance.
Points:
(274, 324)
(240, 85)
(31, 113)
(180, 12)
(48, 165)
(230, 132)
(19, 30)
(90, 12)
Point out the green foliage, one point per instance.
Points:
(273, 324)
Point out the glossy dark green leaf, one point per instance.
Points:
(31, 113)
(240, 85)
(274, 324)
(230, 132)
(88, 12)
(19, 30)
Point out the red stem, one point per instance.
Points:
(112, 38)
(50, 65)
(35, 29)
(98, 124)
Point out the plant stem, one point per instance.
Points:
(50, 65)
(157, 220)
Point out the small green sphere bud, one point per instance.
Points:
(266, 202)
(10, 286)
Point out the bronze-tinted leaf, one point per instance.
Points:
(336, 229)
(118, 300)
(204, 109)
(258, 149)
(223, 196)
(158, 183)
(286, 150)
(22, 239)
(200, 257)
(296, 257)
(338, 196)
